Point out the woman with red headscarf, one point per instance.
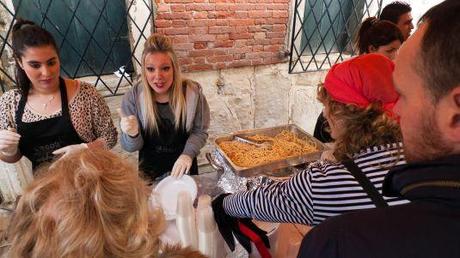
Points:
(358, 96)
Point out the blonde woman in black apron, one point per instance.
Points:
(48, 116)
(164, 117)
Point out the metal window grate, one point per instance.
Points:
(89, 56)
(323, 31)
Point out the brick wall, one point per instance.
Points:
(217, 34)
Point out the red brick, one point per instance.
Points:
(198, 23)
(279, 28)
(179, 23)
(200, 67)
(216, 59)
(163, 8)
(163, 23)
(280, 14)
(219, 29)
(183, 46)
(275, 35)
(194, 38)
(273, 48)
(241, 14)
(259, 14)
(218, 34)
(225, 43)
(177, 7)
(278, 7)
(239, 63)
(240, 35)
(178, 1)
(199, 15)
(225, 7)
(277, 41)
(185, 60)
(200, 7)
(200, 45)
(199, 60)
(175, 31)
(180, 39)
(220, 66)
(206, 52)
(198, 30)
(241, 22)
(239, 29)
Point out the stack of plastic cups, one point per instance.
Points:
(210, 243)
(185, 220)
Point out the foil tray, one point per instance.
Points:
(278, 168)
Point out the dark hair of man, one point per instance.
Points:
(394, 10)
(439, 57)
(28, 34)
(376, 33)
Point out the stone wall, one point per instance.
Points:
(257, 97)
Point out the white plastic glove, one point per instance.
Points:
(181, 166)
(9, 141)
(70, 149)
(128, 124)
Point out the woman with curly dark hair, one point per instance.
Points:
(358, 96)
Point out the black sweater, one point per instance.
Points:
(429, 226)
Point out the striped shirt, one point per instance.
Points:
(323, 190)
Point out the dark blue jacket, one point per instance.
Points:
(429, 226)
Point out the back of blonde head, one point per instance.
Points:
(160, 44)
(89, 204)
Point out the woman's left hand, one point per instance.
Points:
(181, 166)
(70, 148)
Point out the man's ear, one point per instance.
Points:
(453, 113)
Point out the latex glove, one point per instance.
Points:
(70, 149)
(244, 229)
(128, 124)
(9, 141)
(181, 166)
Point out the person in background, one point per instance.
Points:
(377, 36)
(374, 36)
(91, 203)
(358, 96)
(399, 13)
(48, 115)
(164, 117)
(427, 78)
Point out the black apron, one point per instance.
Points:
(366, 184)
(39, 139)
(161, 150)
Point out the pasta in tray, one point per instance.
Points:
(283, 145)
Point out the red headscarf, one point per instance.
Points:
(363, 80)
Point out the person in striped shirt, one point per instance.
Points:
(358, 96)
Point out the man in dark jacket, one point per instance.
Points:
(427, 76)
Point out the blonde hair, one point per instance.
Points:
(89, 204)
(161, 44)
(363, 127)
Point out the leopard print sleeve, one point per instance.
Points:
(8, 106)
(91, 116)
